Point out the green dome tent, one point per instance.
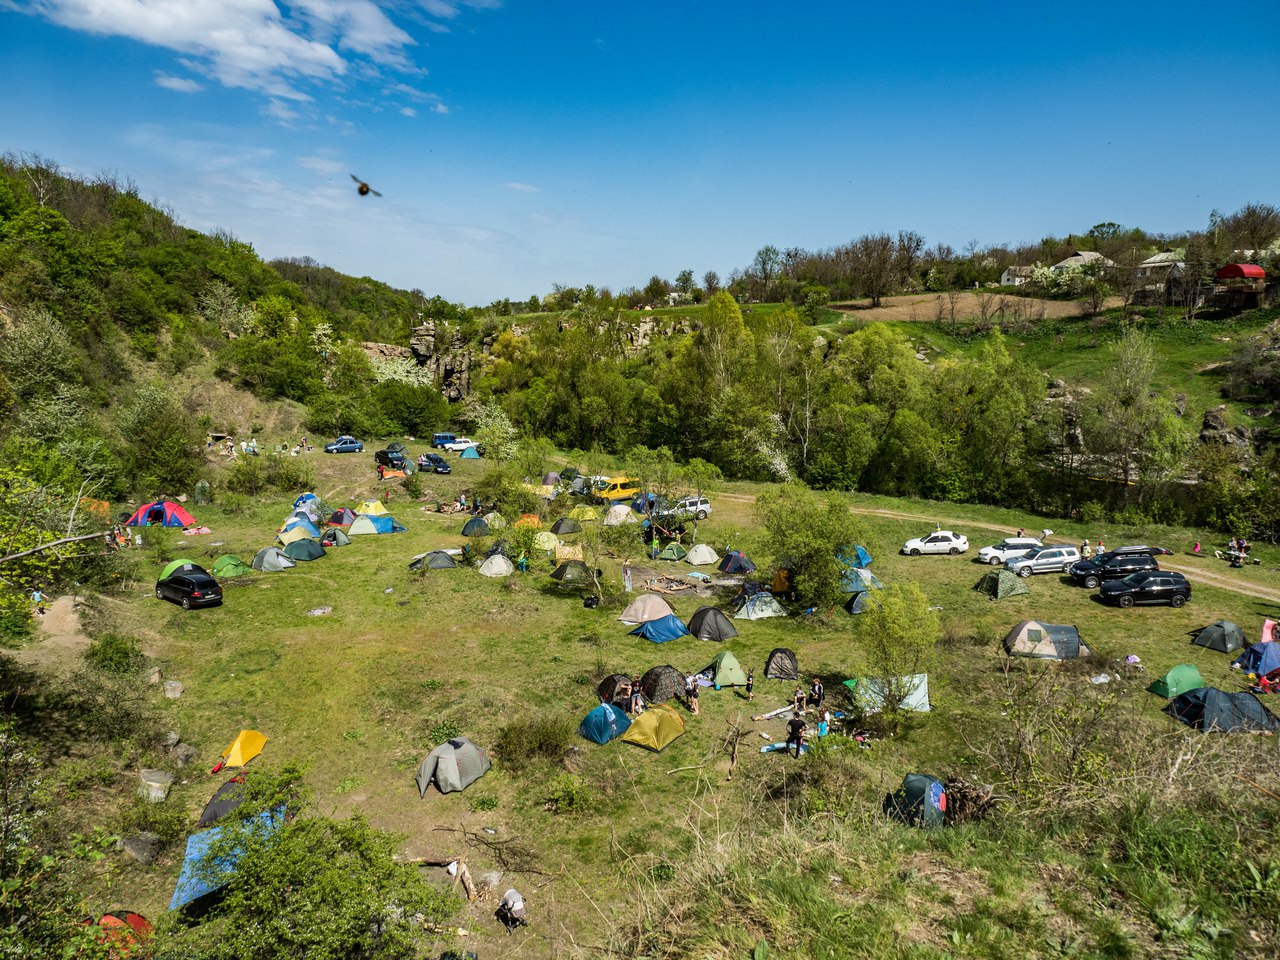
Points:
(572, 571)
(673, 551)
(1223, 636)
(304, 549)
(565, 526)
(1001, 583)
(229, 565)
(173, 566)
(1183, 677)
(435, 560)
(725, 671)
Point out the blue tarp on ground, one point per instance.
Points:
(663, 629)
(1260, 659)
(604, 723)
(202, 876)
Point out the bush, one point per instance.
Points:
(256, 475)
(167, 820)
(546, 736)
(412, 486)
(569, 793)
(113, 653)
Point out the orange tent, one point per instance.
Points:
(99, 509)
(529, 520)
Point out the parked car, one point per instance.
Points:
(619, 488)
(942, 541)
(700, 507)
(1137, 548)
(1008, 549)
(1111, 566)
(439, 440)
(190, 588)
(435, 463)
(1148, 586)
(1046, 558)
(393, 459)
(344, 445)
(458, 444)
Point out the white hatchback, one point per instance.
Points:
(1007, 549)
(941, 541)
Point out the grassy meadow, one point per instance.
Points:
(664, 855)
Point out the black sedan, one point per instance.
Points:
(435, 463)
(192, 588)
(1152, 586)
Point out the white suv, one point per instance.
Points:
(1008, 549)
(700, 507)
(457, 446)
(1050, 558)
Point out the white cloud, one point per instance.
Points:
(281, 111)
(408, 111)
(519, 187)
(180, 84)
(322, 164)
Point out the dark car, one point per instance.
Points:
(391, 458)
(1151, 586)
(435, 463)
(1111, 566)
(190, 588)
(344, 445)
(441, 439)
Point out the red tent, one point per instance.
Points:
(161, 513)
(1242, 271)
(123, 930)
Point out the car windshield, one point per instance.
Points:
(1135, 579)
(1035, 552)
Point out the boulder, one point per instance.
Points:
(183, 755)
(153, 785)
(173, 689)
(142, 848)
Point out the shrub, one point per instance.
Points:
(167, 820)
(113, 653)
(255, 475)
(569, 793)
(445, 730)
(412, 486)
(546, 736)
(482, 803)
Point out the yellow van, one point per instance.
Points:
(620, 488)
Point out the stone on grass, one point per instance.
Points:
(153, 785)
(154, 676)
(173, 689)
(183, 755)
(143, 848)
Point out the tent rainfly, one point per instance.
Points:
(662, 630)
(662, 683)
(760, 606)
(1178, 681)
(604, 723)
(229, 565)
(735, 561)
(655, 728)
(475, 527)
(673, 551)
(454, 765)
(435, 560)
(782, 664)
(161, 513)
(708, 623)
(1045, 641)
(1002, 583)
(566, 526)
(619, 514)
(497, 566)
(271, 560)
(1222, 635)
(646, 607)
(572, 571)
(1260, 659)
(179, 566)
(615, 689)
(700, 555)
(724, 671)
(371, 508)
(304, 549)
(921, 801)
(1212, 710)
(334, 537)
(912, 693)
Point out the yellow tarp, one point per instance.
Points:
(655, 728)
(247, 745)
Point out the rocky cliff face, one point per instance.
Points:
(448, 357)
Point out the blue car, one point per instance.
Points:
(344, 445)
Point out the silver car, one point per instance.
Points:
(1049, 558)
(1008, 549)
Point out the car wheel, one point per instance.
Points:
(1024, 572)
(915, 551)
(702, 514)
(954, 551)
(186, 603)
(159, 594)
(995, 561)
(1177, 600)
(1125, 601)
(1091, 582)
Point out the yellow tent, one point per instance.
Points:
(655, 728)
(566, 552)
(529, 520)
(585, 513)
(296, 533)
(546, 541)
(373, 508)
(247, 745)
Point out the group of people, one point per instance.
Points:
(1086, 551)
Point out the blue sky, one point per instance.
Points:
(521, 144)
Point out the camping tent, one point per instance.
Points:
(303, 522)
(454, 765)
(1211, 709)
(857, 603)
(618, 514)
(566, 552)
(912, 693)
(304, 549)
(289, 536)
(342, 518)
(470, 453)
(202, 874)
(655, 728)
(371, 508)
(334, 537)
(856, 557)
(229, 565)
(565, 526)
(673, 551)
(1222, 635)
(701, 555)
(584, 514)
(662, 683)
(173, 566)
(435, 560)
(724, 671)
(247, 745)
(1047, 641)
(1178, 681)
(544, 540)
(121, 931)
(161, 513)
(661, 630)
(498, 547)
(615, 689)
(859, 580)
(228, 796)
(305, 499)
(646, 607)
(529, 520)
(497, 566)
(604, 723)
(1001, 583)
(708, 623)
(367, 525)
(759, 606)
(550, 479)
(735, 561)
(271, 560)
(572, 571)
(1260, 659)
(782, 664)
(921, 801)
(475, 527)
(495, 520)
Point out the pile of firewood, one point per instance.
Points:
(967, 800)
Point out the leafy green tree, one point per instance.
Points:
(495, 432)
(805, 534)
(37, 355)
(162, 451)
(722, 343)
(898, 635)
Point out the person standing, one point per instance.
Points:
(795, 732)
(37, 600)
(1085, 552)
(751, 684)
(693, 697)
(816, 694)
(626, 577)
(1100, 549)
(382, 471)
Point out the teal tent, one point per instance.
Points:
(470, 453)
(603, 724)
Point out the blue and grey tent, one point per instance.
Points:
(604, 723)
(475, 527)
(202, 873)
(921, 801)
(303, 521)
(859, 580)
(663, 629)
(735, 561)
(1210, 709)
(1260, 659)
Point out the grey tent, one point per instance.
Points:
(304, 549)
(229, 796)
(272, 560)
(1211, 709)
(1046, 641)
(759, 606)
(708, 623)
(333, 537)
(497, 566)
(857, 602)
(435, 560)
(565, 526)
(1223, 636)
(782, 665)
(646, 607)
(662, 683)
(1001, 583)
(615, 689)
(872, 694)
(454, 765)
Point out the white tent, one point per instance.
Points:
(619, 513)
(495, 520)
(913, 691)
(760, 606)
(701, 554)
(497, 566)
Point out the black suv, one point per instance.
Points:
(1152, 586)
(392, 457)
(1111, 566)
(434, 462)
(191, 588)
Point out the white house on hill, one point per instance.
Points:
(1082, 258)
(1015, 276)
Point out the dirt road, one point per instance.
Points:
(60, 640)
(924, 307)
